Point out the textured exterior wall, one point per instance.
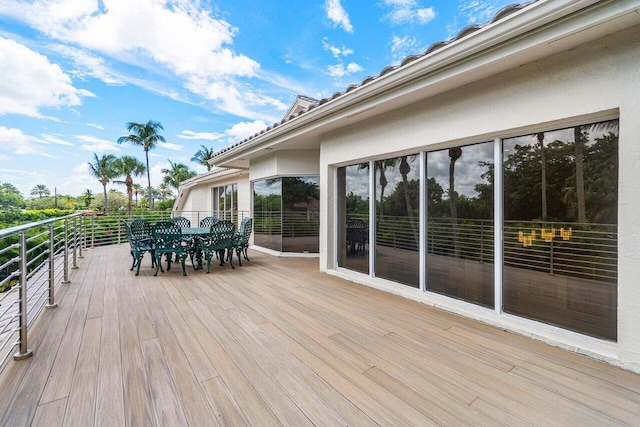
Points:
(594, 82)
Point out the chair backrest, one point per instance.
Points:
(167, 236)
(181, 221)
(244, 232)
(140, 229)
(209, 221)
(127, 230)
(223, 232)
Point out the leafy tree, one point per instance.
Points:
(127, 166)
(103, 169)
(87, 197)
(10, 196)
(40, 190)
(145, 135)
(64, 202)
(202, 156)
(117, 201)
(177, 173)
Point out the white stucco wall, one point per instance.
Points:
(591, 83)
(198, 197)
(286, 163)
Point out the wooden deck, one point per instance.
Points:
(275, 342)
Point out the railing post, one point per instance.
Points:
(23, 351)
(93, 230)
(66, 251)
(75, 244)
(118, 227)
(82, 237)
(52, 275)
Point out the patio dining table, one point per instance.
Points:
(193, 236)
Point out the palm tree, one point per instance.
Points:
(164, 191)
(454, 153)
(147, 136)
(102, 168)
(202, 157)
(176, 174)
(88, 197)
(137, 188)
(127, 166)
(40, 190)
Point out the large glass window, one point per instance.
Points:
(225, 202)
(353, 217)
(286, 214)
(460, 223)
(300, 214)
(267, 213)
(560, 227)
(397, 241)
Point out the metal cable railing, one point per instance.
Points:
(34, 259)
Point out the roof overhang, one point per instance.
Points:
(206, 178)
(541, 29)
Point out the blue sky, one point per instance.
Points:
(74, 72)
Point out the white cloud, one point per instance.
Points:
(243, 130)
(16, 142)
(30, 82)
(336, 51)
(170, 146)
(89, 65)
(339, 70)
(94, 125)
(55, 140)
(337, 15)
(475, 12)
(402, 47)
(408, 12)
(97, 145)
(167, 39)
(208, 136)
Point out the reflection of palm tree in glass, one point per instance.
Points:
(543, 163)
(580, 138)
(405, 168)
(454, 153)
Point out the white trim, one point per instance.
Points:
(423, 222)
(372, 218)
(498, 215)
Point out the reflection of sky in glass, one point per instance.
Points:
(357, 177)
(310, 180)
(393, 175)
(468, 170)
(265, 188)
(594, 131)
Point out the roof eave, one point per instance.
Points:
(523, 30)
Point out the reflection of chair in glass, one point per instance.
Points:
(208, 221)
(167, 239)
(241, 239)
(218, 242)
(357, 235)
(140, 241)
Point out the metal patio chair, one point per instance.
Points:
(167, 239)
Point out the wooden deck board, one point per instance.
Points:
(276, 342)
